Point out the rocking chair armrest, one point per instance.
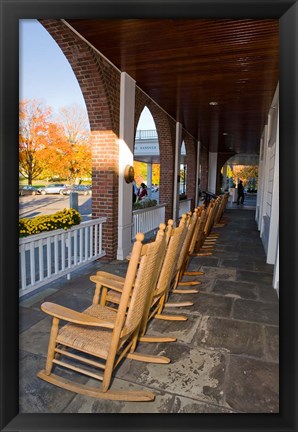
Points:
(103, 274)
(70, 315)
(108, 283)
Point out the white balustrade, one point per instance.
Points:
(47, 256)
(147, 219)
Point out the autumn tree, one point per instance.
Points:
(140, 169)
(54, 156)
(33, 129)
(245, 173)
(155, 174)
(77, 152)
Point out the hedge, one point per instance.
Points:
(64, 219)
(144, 203)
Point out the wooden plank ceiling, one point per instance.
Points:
(184, 65)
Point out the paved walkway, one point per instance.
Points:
(224, 361)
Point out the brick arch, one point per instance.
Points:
(100, 85)
(222, 158)
(89, 70)
(191, 157)
(166, 129)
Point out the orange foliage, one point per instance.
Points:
(141, 173)
(52, 149)
(33, 130)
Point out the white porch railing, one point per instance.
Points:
(47, 256)
(184, 206)
(147, 219)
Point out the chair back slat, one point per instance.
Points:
(145, 282)
(171, 258)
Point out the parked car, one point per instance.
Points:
(55, 188)
(27, 190)
(81, 189)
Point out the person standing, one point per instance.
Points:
(240, 189)
(134, 192)
(142, 192)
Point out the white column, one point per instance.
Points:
(274, 217)
(126, 146)
(264, 186)
(212, 172)
(149, 178)
(260, 176)
(276, 271)
(177, 171)
(197, 174)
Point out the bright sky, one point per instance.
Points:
(45, 73)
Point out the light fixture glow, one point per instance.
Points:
(213, 103)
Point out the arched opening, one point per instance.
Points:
(49, 90)
(95, 93)
(244, 167)
(146, 155)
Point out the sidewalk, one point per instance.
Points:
(225, 360)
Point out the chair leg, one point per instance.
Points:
(52, 345)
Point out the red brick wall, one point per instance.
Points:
(166, 130)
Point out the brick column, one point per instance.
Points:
(105, 161)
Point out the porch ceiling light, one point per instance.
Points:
(213, 103)
(225, 133)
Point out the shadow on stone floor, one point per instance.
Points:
(225, 360)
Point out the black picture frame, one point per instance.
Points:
(287, 13)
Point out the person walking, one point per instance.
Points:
(240, 189)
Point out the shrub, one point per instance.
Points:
(146, 202)
(64, 219)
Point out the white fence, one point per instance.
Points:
(147, 219)
(47, 256)
(184, 206)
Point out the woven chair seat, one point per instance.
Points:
(94, 341)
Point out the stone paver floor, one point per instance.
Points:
(225, 360)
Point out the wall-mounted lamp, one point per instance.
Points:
(129, 174)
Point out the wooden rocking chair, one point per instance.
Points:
(103, 333)
(219, 221)
(175, 238)
(206, 239)
(186, 251)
